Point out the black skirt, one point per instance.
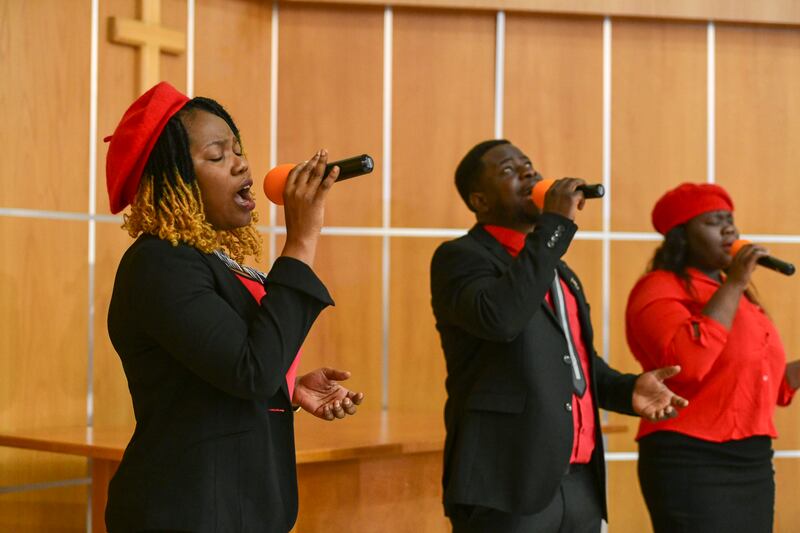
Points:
(696, 486)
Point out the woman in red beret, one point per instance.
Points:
(711, 468)
(209, 346)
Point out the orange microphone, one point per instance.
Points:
(766, 261)
(542, 186)
(275, 180)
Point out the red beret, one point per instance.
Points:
(686, 201)
(134, 138)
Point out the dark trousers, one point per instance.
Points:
(690, 490)
(576, 508)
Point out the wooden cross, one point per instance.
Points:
(150, 38)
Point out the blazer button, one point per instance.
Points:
(568, 406)
(567, 360)
(550, 244)
(560, 228)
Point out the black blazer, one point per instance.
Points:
(213, 448)
(509, 430)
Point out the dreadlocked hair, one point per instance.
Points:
(169, 204)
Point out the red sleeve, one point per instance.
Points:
(663, 331)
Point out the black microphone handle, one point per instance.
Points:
(351, 167)
(592, 191)
(776, 264)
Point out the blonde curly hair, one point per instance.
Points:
(178, 217)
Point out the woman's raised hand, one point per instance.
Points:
(304, 206)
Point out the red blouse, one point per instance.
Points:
(732, 378)
(583, 423)
(258, 291)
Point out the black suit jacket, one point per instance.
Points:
(213, 448)
(509, 430)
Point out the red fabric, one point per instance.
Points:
(134, 138)
(583, 422)
(732, 378)
(258, 291)
(686, 201)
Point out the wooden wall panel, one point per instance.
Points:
(373, 495)
(43, 346)
(442, 105)
(416, 361)
(349, 335)
(232, 66)
(117, 85)
(758, 79)
(61, 510)
(44, 62)
(787, 512)
(627, 512)
(658, 115)
(585, 259)
(628, 263)
(554, 98)
(112, 400)
(330, 96)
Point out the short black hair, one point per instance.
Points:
(470, 168)
(171, 151)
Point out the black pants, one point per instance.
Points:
(693, 486)
(576, 508)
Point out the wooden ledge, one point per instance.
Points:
(364, 435)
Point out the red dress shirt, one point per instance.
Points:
(732, 378)
(583, 422)
(258, 291)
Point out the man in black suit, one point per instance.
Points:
(524, 449)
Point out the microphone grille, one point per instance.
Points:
(275, 182)
(539, 190)
(737, 245)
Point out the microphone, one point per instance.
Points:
(275, 180)
(542, 186)
(766, 261)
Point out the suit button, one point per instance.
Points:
(550, 244)
(567, 360)
(568, 407)
(560, 228)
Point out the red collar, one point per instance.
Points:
(512, 240)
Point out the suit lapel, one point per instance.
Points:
(503, 259)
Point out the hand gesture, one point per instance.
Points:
(743, 264)
(652, 399)
(563, 197)
(304, 206)
(319, 393)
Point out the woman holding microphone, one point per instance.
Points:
(709, 470)
(210, 346)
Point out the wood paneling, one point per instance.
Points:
(416, 362)
(43, 362)
(554, 98)
(787, 512)
(627, 512)
(112, 400)
(330, 95)
(442, 105)
(44, 62)
(658, 115)
(349, 335)
(117, 85)
(628, 263)
(61, 510)
(772, 12)
(232, 66)
(585, 259)
(396, 495)
(758, 80)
